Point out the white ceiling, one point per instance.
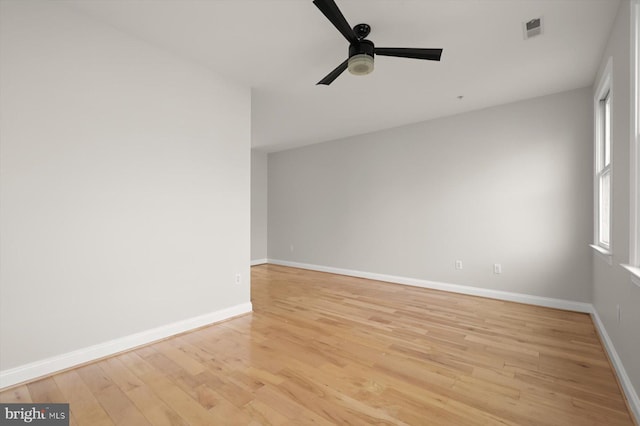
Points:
(282, 48)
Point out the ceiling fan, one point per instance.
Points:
(362, 51)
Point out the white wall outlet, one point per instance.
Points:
(458, 264)
(291, 247)
(238, 278)
(497, 268)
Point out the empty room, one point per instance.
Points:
(296, 212)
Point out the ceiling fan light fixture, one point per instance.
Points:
(361, 64)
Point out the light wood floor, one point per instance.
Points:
(329, 349)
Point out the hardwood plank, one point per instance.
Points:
(46, 390)
(83, 404)
(119, 407)
(153, 408)
(266, 415)
(119, 374)
(174, 396)
(17, 395)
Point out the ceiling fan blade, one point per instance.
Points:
(330, 9)
(402, 52)
(334, 74)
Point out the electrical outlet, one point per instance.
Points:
(619, 313)
(497, 268)
(291, 247)
(458, 264)
(238, 278)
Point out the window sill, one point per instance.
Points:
(604, 254)
(635, 273)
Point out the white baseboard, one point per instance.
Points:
(51, 365)
(549, 302)
(625, 381)
(259, 262)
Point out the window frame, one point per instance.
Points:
(604, 93)
(603, 170)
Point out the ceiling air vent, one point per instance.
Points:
(532, 28)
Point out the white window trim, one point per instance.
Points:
(634, 172)
(605, 85)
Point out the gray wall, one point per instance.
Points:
(258, 205)
(509, 185)
(125, 185)
(612, 284)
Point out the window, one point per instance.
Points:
(603, 173)
(602, 164)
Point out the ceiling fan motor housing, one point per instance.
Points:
(361, 57)
(362, 47)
